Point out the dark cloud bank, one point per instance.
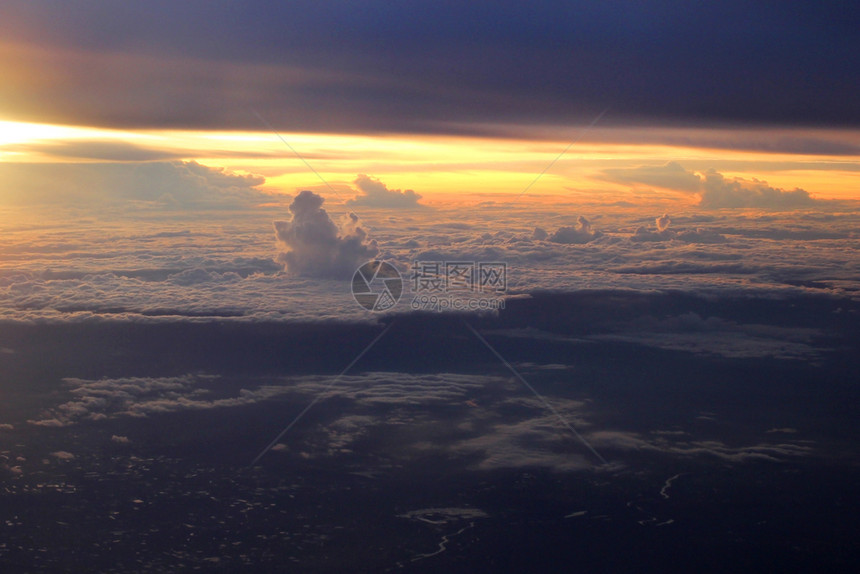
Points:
(412, 67)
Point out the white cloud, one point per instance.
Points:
(663, 233)
(669, 176)
(645, 234)
(699, 235)
(582, 233)
(718, 192)
(160, 185)
(715, 190)
(150, 269)
(316, 246)
(374, 193)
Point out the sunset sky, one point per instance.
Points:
(550, 136)
(431, 286)
(442, 98)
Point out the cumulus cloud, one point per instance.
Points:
(179, 184)
(317, 247)
(539, 234)
(374, 193)
(715, 190)
(669, 176)
(161, 184)
(581, 233)
(645, 234)
(663, 233)
(700, 235)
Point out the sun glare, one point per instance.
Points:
(25, 132)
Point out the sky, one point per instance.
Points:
(445, 97)
(223, 220)
(602, 146)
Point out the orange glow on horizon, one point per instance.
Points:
(434, 166)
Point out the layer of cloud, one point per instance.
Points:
(109, 398)
(674, 446)
(315, 246)
(162, 69)
(488, 422)
(97, 150)
(719, 337)
(720, 192)
(164, 184)
(669, 176)
(485, 432)
(223, 264)
(583, 232)
(663, 233)
(374, 193)
(715, 190)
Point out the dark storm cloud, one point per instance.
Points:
(422, 66)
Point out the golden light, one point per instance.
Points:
(437, 166)
(23, 132)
